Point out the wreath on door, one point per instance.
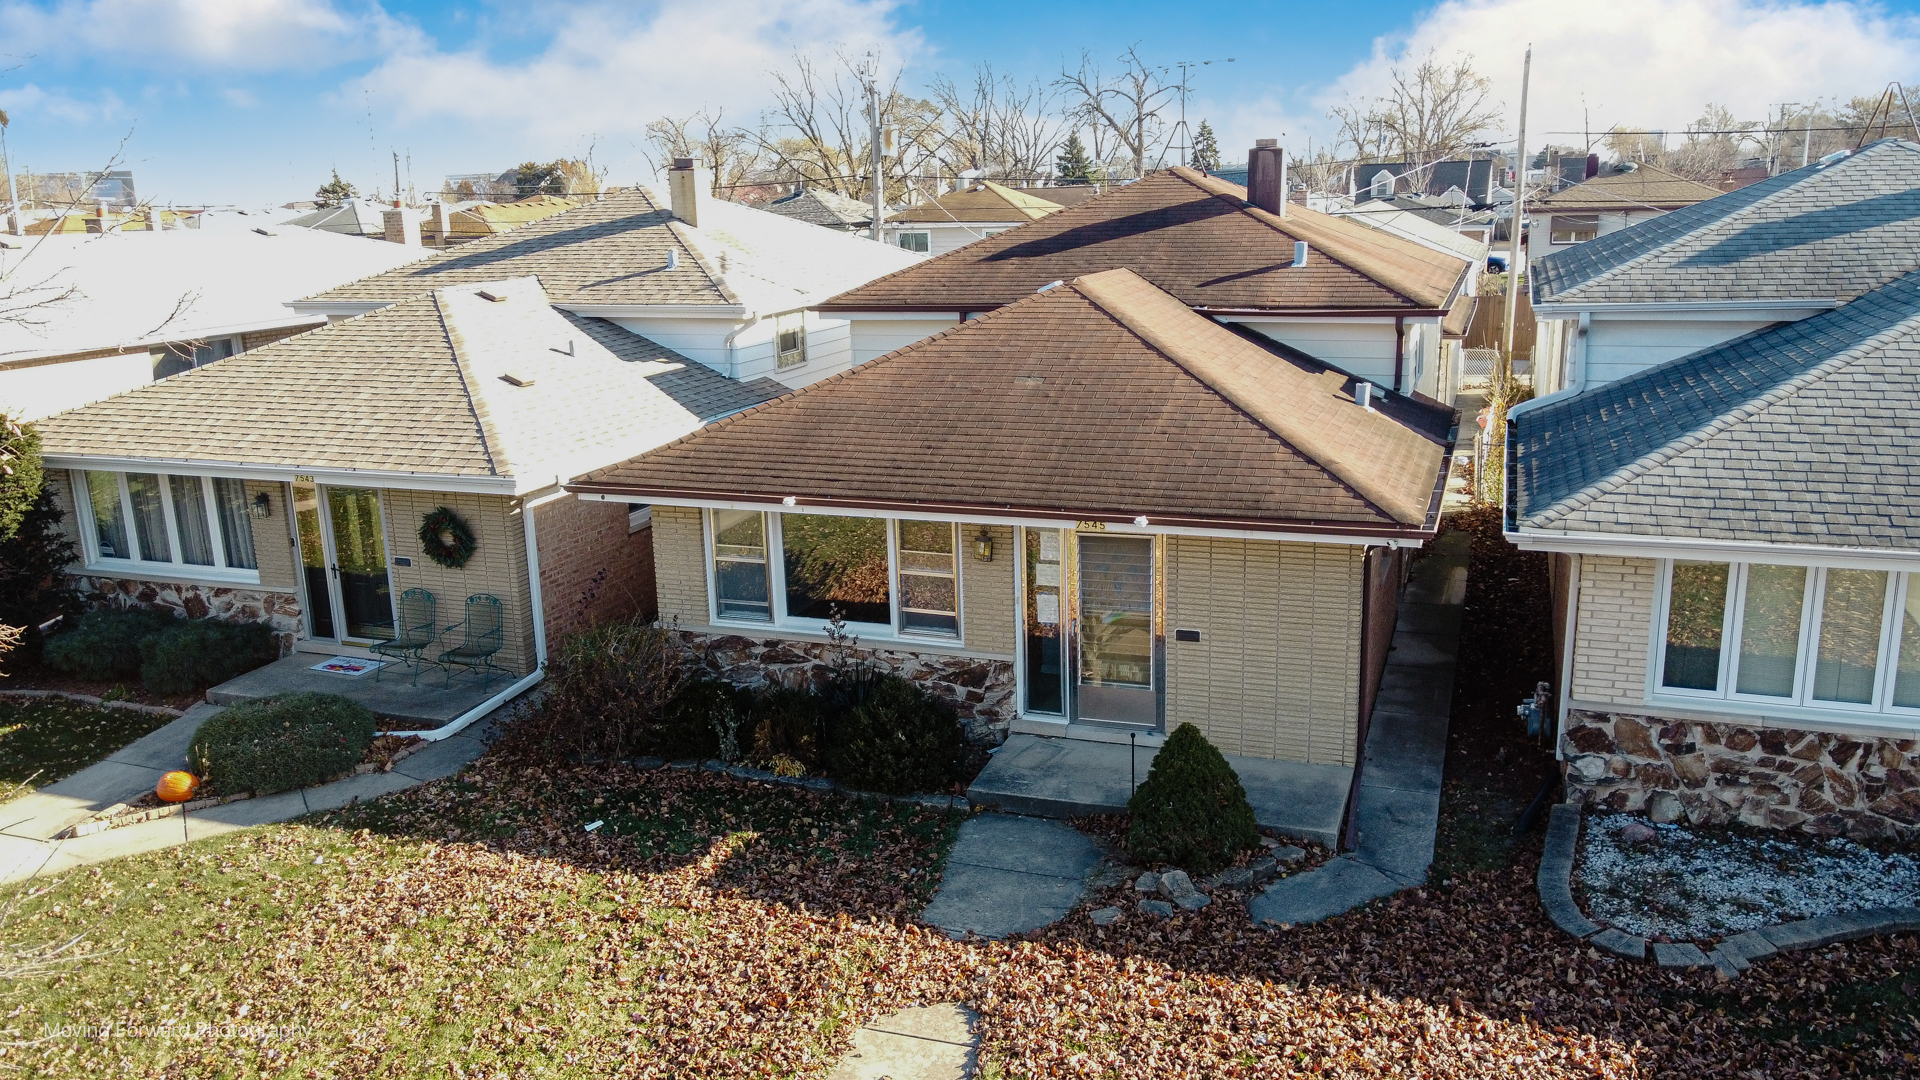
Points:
(446, 538)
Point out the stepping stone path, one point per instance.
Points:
(1010, 874)
(933, 1042)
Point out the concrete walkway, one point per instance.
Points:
(1398, 809)
(1011, 874)
(930, 1042)
(28, 824)
(391, 693)
(1058, 778)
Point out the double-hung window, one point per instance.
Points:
(173, 522)
(1794, 636)
(802, 570)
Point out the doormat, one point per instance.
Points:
(349, 665)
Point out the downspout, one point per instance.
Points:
(533, 587)
(1399, 350)
(1566, 661)
(1576, 371)
(733, 357)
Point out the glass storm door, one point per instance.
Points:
(343, 557)
(1044, 657)
(1118, 678)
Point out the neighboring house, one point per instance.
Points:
(1087, 513)
(289, 486)
(1735, 538)
(1367, 301)
(100, 220)
(1428, 234)
(1777, 251)
(1462, 182)
(354, 217)
(1614, 199)
(1065, 194)
(1454, 215)
(958, 218)
(726, 285)
(444, 226)
(828, 209)
(99, 315)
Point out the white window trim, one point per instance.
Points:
(926, 235)
(781, 622)
(1802, 706)
(793, 321)
(95, 563)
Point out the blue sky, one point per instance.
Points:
(253, 101)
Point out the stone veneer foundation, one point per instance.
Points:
(279, 610)
(1715, 773)
(981, 691)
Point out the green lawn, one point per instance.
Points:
(45, 739)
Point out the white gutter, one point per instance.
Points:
(28, 358)
(987, 517)
(1649, 547)
(476, 485)
(730, 312)
(1795, 309)
(1576, 362)
(342, 308)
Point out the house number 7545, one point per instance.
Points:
(1091, 526)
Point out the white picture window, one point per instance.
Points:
(200, 524)
(915, 241)
(879, 575)
(1784, 635)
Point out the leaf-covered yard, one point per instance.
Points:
(714, 927)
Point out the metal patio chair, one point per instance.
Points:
(419, 629)
(481, 637)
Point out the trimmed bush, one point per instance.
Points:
(275, 744)
(605, 696)
(897, 739)
(105, 644)
(194, 655)
(1191, 811)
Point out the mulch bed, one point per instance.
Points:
(25, 672)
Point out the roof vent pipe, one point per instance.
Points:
(1267, 176)
(1299, 253)
(1363, 394)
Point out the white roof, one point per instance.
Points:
(774, 263)
(242, 220)
(1411, 226)
(133, 289)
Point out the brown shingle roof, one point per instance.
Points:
(989, 202)
(1194, 236)
(1105, 398)
(416, 388)
(1645, 187)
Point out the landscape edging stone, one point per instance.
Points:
(1733, 955)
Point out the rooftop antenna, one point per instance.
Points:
(1180, 130)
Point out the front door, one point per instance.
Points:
(343, 556)
(1118, 670)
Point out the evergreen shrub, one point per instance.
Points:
(275, 744)
(1191, 811)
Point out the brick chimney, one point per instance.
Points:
(686, 189)
(1267, 176)
(440, 227)
(153, 218)
(399, 227)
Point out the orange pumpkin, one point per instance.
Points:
(177, 786)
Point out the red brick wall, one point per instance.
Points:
(591, 568)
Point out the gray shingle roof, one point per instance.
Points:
(1830, 231)
(817, 207)
(419, 387)
(1799, 434)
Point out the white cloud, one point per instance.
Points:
(1655, 63)
(31, 100)
(608, 69)
(249, 35)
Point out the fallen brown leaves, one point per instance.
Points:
(714, 927)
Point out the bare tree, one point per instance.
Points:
(819, 131)
(1126, 107)
(733, 155)
(1714, 143)
(995, 126)
(1428, 114)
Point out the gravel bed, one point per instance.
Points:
(1673, 881)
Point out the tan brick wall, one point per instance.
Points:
(498, 566)
(257, 338)
(680, 565)
(1612, 628)
(986, 617)
(592, 569)
(273, 539)
(1276, 672)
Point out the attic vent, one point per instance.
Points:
(1050, 285)
(491, 298)
(1029, 380)
(1299, 253)
(515, 380)
(262, 232)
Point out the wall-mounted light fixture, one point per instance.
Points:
(983, 546)
(262, 507)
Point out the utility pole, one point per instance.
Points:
(879, 177)
(1489, 466)
(396, 175)
(1519, 212)
(13, 193)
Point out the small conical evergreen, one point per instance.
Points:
(1074, 166)
(1206, 151)
(1191, 811)
(334, 192)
